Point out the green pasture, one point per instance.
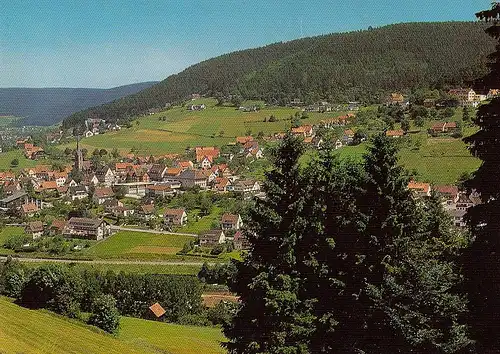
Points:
(42, 332)
(132, 244)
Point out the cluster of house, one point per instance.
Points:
(81, 228)
(455, 202)
(95, 126)
(469, 97)
(308, 132)
(437, 128)
(31, 151)
(98, 229)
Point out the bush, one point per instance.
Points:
(105, 315)
(15, 242)
(222, 313)
(218, 249)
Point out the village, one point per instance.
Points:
(99, 195)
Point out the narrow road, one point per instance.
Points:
(119, 228)
(105, 261)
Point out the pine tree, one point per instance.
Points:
(480, 262)
(410, 303)
(272, 318)
(329, 263)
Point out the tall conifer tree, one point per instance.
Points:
(481, 263)
(272, 318)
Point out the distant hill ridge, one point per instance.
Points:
(361, 65)
(47, 106)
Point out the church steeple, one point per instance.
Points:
(78, 154)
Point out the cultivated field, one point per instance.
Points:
(29, 331)
(131, 244)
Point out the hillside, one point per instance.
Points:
(47, 106)
(360, 65)
(32, 331)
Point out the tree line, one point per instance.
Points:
(71, 292)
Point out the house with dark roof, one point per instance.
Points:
(35, 229)
(77, 192)
(101, 195)
(240, 241)
(86, 228)
(231, 222)
(157, 172)
(177, 217)
(147, 211)
(212, 238)
(191, 178)
(29, 209)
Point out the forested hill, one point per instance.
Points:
(47, 106)
(361, 65)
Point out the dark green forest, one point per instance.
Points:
(361, 65)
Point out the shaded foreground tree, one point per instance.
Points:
(345, 260)
(272, 319)
(481, 263)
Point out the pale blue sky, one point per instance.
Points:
(106, 43)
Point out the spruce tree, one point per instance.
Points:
(410, 300)
(330, 266)
(481, 261)
(272, 318)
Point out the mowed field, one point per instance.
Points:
(138, 245)
(171, 338)
(31, 331)
(182, 128)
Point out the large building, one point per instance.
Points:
(91, 229)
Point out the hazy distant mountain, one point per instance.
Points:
(47, 106)
(360, 65)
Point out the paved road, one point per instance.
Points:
(104, 261)
(120, 228)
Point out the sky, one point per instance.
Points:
(108, 43)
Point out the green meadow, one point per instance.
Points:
(138, 245)
(7, 157)
(42, 332)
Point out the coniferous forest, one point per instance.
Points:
(356, 66)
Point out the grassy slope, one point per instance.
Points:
(7, 157)
(171, 337)
(438, 160)
(27, 331)
(183, 128)
(130, 244)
